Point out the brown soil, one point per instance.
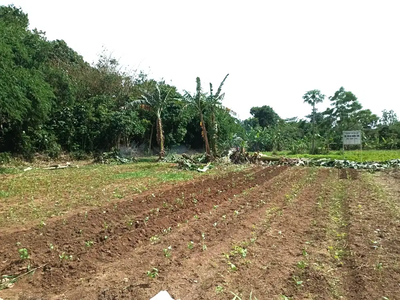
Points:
(275, 232)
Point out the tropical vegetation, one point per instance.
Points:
(52, 101)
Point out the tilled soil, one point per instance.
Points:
(273, 232)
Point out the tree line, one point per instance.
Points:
(52, 101)
(321, 132)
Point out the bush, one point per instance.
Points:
(5, 158)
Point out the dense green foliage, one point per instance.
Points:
(52, 101)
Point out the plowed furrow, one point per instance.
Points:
(114, 232)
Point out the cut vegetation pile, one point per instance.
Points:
(337, 163)
(198, 162)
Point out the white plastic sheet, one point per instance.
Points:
(163, 295)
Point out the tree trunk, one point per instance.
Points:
(313, 131)
(160, 137)
(151, 138)
(214, 135)
(204, 130)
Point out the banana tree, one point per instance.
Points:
(214, 101)
(198, 102)
(156, 102)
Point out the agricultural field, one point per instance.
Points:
(235, 232)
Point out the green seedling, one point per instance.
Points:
(239, 250)
(155, 210)
(89, 244)
(65, 256)
(166, 230)
(297, 281)
(302, 264)
(190, 245)
(379, 266)
(232, 266)
(23, 253)
(153, 273)
(219, 289)
(154, 239)
(167, 251)
(204, 247)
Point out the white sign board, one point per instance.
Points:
(352, 137)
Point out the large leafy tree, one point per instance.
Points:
(346, 113)
(388, 118)
(388, 131)
(344, 108)
(263, 116)
(25, 96)
(313, 97)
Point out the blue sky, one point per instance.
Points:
(274, 51)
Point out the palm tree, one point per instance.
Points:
(156, 102)
(313, 97)
(198, 102)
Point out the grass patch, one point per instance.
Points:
(137, 174)
(175, 176)
(4, 170)
(4, 194)
(162, 172)
(40, 194)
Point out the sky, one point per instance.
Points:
(274, 51)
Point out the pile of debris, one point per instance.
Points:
(237, 156)
(200, 163)
(340, 164)
(113, 157)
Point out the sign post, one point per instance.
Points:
(352, 138)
